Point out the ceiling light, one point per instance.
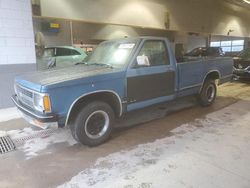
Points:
(247, 1)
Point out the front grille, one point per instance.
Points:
(6, 144)
(25, 92)
(25, 96)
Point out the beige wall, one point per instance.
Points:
(135, 12)
(208, 16)
(190, 41)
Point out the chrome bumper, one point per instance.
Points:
(242, 72)
(43, 121)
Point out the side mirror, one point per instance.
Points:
(142, 61)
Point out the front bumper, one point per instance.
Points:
(242, 73)
(43, 121)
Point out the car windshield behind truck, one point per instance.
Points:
(113, 53)
(245, 54)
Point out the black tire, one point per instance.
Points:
(208, 93)
(88, 129)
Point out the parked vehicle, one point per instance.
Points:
(206, 52)
(242, 64)
(59, 57)
(118, 77)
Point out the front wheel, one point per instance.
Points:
(208, 93)
(93, 124)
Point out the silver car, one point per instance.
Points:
(59, 57)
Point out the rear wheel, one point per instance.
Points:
(208, 93)
(93, 124)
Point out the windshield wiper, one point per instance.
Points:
(82, 63)
(98, 64)
(102, 64)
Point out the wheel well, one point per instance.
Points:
(108, 97)
(213, 75)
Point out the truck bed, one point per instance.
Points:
(191, 73)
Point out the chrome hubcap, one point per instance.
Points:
(210, 93)
(96, 124)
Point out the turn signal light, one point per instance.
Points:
(46, 103)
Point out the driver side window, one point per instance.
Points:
(156, 53)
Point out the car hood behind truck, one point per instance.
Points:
(35, 80)
(241, 63)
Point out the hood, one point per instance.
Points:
(49, 77)
(241, 63)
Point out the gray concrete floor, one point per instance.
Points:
(52, 160)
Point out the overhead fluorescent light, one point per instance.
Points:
(247, 1)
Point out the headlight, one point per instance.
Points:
(42, 102)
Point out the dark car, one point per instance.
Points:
(206, 51)
(242, 64)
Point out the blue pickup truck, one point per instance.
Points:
(118, 77)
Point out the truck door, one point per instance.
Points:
(151, 79)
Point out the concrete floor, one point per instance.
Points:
(193, 147)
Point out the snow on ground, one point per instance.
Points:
(19, 133)
(33, 143)
(209, 152)
(32, 147)
(7, 114)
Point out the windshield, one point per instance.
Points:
(245, 53)
(113, 53)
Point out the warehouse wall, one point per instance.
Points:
(100, 32)
(63, 37)
(190, 41)
(211, 16)
(122, 12)
(91, 33)
(17, 51)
